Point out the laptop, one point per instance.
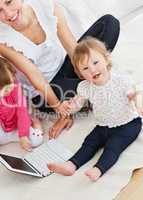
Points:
(35, 163)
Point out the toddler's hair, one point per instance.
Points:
(5, 69)
(83, 49)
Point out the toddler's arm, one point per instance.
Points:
(76, 103)
(23, 118)
(137, 97)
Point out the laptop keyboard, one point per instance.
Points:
(49, 152)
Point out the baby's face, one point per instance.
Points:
(94, 68)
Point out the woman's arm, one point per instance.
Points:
(65, 35)
(31, 72)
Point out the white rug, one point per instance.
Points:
(56, 187)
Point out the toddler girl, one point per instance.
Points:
(15, 122)
(115, 104)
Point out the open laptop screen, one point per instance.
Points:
(17, 163)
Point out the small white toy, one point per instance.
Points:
(36, 137)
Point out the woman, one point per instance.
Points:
(30, 32)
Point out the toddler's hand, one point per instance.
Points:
(140, 111)
(64, 108)
(131, 96)
(76, 103)
(25, 143)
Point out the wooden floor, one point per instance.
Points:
(134, 190)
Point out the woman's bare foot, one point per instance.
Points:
(93, 173)
(59, 125)
(66, 169)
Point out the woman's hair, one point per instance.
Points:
(83, 49)
(5, 70)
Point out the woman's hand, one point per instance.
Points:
(59, 125)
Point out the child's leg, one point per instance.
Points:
(6, 138)
(95, 140)
(120, 139)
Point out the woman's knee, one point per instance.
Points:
(108, 18)
(111, 31)
(112, 24)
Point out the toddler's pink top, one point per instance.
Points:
(14, 113)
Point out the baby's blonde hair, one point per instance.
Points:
(5, 69)
(83, 49)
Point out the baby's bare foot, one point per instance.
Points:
(66, 169)
(93, 173)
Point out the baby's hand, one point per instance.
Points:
(140, 111)
(73, 105)
(25, 143)
(131, 95)
(64, 108)
(137, 98)
(139, 104)
(76, 103)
